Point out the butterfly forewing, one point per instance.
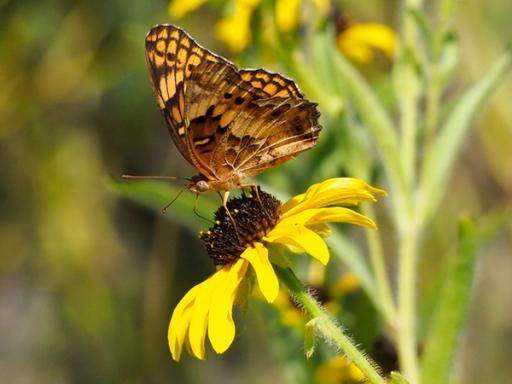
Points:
(172, 55)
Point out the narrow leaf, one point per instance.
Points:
(156, 194)
(397, 378)
(451, 310)
(309, 338)
(379, 123)
(346, 252)
(440, 159)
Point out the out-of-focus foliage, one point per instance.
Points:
(88, 279)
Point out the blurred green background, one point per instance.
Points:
(88, 279)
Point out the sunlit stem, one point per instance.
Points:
(327, 327)
(406, 329)
(408, 231)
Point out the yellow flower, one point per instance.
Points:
(179, 8)
(237, 244)
(235, 28)
(360, 40)
(338, 370)
(287, 14)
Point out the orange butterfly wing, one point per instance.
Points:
(246, 129)
(172, 55)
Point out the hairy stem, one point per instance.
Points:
(327, 326)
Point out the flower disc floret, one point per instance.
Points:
(250, 218)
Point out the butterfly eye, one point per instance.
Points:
(202, 186)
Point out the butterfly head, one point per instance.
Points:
(198, 184)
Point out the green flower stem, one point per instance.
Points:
(409, 93)
(406, 332)
(327, 326)
(386, 303)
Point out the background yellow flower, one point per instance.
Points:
(235, 27)
(360, 41)
(179, 8)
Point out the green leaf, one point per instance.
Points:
(442, 154)
(309, 338)
(346, 252)
(451, 310)
(423, 25)
(377, 120)
(156, 194)
(449, 58)
(397, 378)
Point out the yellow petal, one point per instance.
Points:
(221, 327)
(235, 29)
(267, 279)
(321, 229)
(302, 237)
(287, 14)
(179, 8)
(335, 191)
(316, 216)
(199, 321)
(360, 39)
(180, 320)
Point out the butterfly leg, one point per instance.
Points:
(225, 205)
(255, 193)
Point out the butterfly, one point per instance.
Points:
(229, 123)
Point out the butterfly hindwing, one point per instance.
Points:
(273, 84)
(215, 96)
(282, 128)
(241, 128)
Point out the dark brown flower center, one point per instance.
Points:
(250, 219)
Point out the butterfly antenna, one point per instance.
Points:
(137, 177)
(164, 209)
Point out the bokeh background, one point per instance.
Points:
(88, 279)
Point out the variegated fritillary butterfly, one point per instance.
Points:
(229, 123)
